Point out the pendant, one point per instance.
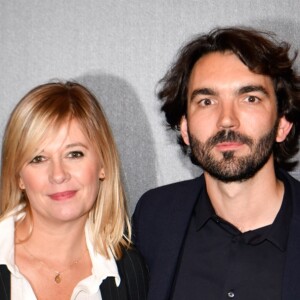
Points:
(57, 278)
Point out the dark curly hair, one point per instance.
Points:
(262, 54)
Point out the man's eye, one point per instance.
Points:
(252, 99)
(37, 159)
(205, 102)
(75, 154)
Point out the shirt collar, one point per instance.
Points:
(7, 240)
(276, 233)
(203, 210)
(101, 266)
(279, 231)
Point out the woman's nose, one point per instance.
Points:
(58, 172)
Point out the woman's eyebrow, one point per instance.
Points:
(76, 145)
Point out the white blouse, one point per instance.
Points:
(86, 289)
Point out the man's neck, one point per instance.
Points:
(248, 204)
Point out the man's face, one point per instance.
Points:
(231, 122)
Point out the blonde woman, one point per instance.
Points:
(65, 231)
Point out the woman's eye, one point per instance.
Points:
(37, 159)
(75, 154)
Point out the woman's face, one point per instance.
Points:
(62, 180)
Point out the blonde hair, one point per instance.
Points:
(42, 111)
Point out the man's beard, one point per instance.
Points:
(232, 168)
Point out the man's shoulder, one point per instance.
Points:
(172, 191)
(175, 187)
(294, 180)
(163, 207)
(288, 178)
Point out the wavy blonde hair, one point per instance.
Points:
(41, 112)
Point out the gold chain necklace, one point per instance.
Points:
(57, 277)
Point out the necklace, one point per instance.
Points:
(58, 274)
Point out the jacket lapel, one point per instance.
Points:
(4, 283)
(172, 238)
(291, 280)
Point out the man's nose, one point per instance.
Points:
(228, 117)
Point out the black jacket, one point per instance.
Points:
(160, 222)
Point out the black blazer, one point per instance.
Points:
(161, 219)
(132, 270)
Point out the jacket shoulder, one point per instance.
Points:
(161, 207)
(163, 195)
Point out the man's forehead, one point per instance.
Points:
(217, 68)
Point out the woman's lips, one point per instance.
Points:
(62, 195)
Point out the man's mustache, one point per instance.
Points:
(229, 136)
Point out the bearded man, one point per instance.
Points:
(234, 232)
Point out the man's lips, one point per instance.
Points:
(228, 146)
(62, 195)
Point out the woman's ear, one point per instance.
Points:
(184, 130)
(101, 174)
(284, 127)
(21, 184)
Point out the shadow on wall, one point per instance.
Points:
(131, 131)
(193, 170)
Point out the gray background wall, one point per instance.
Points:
(120, 49)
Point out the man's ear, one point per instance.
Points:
(284, 127)
(184, 130)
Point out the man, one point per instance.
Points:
(233, 233)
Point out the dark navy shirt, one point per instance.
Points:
(220, 262)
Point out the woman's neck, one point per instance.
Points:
(62, 242)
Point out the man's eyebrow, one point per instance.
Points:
(252, 88)
(203, 91)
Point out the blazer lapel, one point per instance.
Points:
(4, 283)
(291, 286)
(172, 238)
(291, 279)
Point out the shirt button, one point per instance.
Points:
(230, 294)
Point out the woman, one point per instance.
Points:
(64, 227)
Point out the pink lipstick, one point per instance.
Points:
(62, 195)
